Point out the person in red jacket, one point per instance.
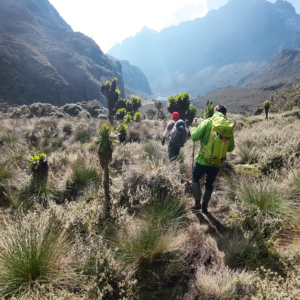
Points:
(175, 143)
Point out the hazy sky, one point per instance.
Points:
(110, 22)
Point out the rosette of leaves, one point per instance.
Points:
(106, 140)
(136, 104)
(128, 118)
(122, 103)
(210, 110)
(39, 166)
(180, 104)
(111, 92)
(138, 116)
(122, 129)
(121, 113)
(190, 114)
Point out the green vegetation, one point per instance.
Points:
(128, 118)
(138, 116)
(210, 110)
(32, 256)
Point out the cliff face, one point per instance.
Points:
(134, 78)
(43, 60)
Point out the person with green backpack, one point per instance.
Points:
(216, 136)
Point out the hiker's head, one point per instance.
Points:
(175, 116)
(221, 108)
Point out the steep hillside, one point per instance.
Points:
(134, 77)
(43, 60)
(242, 31)
(283, 69)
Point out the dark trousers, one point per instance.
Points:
(173, 151)
(210, 175)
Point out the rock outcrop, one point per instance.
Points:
(38, 110)
(43, 60)
(134, 78)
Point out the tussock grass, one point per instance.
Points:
(220, 283)
(248, 152)
(268, 195)
(150, 244)
(84, 175)
(33, 254)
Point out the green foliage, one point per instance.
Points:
(36, 160)
(267, 103)
(138, 116)
(172, 101)
(122, 103)
(128, 118)
(210, 110)
(5, 172)
(121, 111)
(184, 97)
(135, 99)
(122, 128)
(117, 91)
(82, 136)
(31, 255)
(107, 82)
(149, 244)
(115, 79)
(9, 138)
(84, 175)
(247, 151)
(247, 116)
(106, 138)
(267, 195)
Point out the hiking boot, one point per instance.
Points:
(206, 198)
(197, 194)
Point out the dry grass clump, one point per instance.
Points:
(151, 243)
(276, 143)
(220, 283)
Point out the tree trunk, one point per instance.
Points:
(267, 112)
(106, 191)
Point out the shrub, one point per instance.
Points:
(109, 279)
(153, 151)
(134, 136)
(84, 175)
(247, 116)
(122, 128)
(5, 172)
(121, 111)
(248, 152)
(220, 284)
(138, 116)
(128, 118)
(67, 129)
(82, 136)
(268, 195)
(57, 143)
(9, 138)
(33, 254)
(150, 244)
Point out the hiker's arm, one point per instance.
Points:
(167, 132)
(198, 131)
(232, 145)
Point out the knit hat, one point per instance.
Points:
(175, 115)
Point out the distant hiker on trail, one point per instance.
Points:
(216, 136)
(177, 134)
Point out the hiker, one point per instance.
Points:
(216, 136)
(177, 133)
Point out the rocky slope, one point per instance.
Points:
(239, 32)
(134, 78)
(283, 69)
(43, 60)
(38, 110)
(277, 79)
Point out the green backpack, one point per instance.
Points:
(219, 141)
